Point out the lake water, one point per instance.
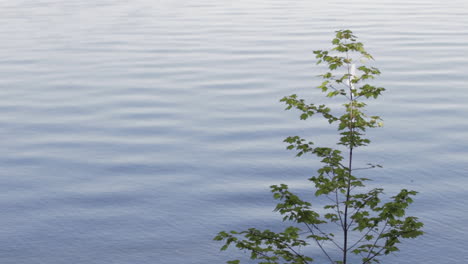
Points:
(134, 131)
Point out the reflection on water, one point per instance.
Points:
(133, 131)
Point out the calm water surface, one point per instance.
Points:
(134, 131)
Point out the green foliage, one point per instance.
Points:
(367, 227)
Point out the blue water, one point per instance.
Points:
(134, 131)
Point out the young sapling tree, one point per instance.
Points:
(366, 227)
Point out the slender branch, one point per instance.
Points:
(297, 254)
(337, 201)
(323, 234)
(357, 242)
(341, 165)
(371, 166)
(375, 243)
(338, 208)
(348, 189)
(260, 253)
(320, 245)
(366, 168)
(331, 200)
(375, 255)
(345, 224)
